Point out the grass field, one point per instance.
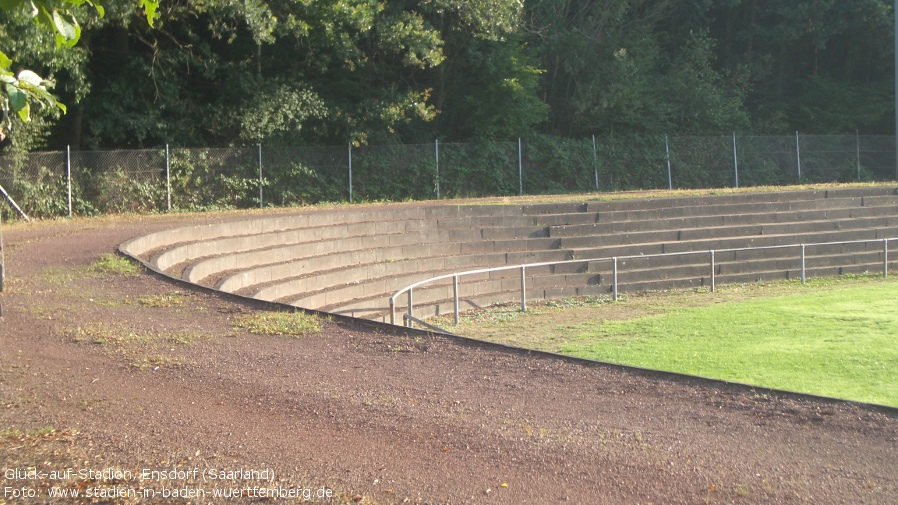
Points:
(831, 337)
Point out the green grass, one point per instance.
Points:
(113, 264)
(167, 300)
(833, 336)
(291, 324)
(840, 342)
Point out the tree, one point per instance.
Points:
(488, 84)
(351, 70)
(26, 88)
(812, 65)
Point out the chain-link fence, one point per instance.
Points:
(155, 180)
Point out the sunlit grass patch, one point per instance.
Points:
(831, 337)
(837, 343)
(139, 348)
(113, 264)
(293, 324)
(166, 300)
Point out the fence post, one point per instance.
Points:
(520, 170)
(260, 176)
(436, 146)
(167, 180)
(798, 154)
(857, 145)
(667, 154)
(455, 289)
(2, 260)
(803, 275)
(595, 161)
(68, 176)
(350, 172)
(523, 288)
(735, 161)
(712, 271)
(885, 258)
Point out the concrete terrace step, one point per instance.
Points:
(650, 223)
(189, 234)
(479, 297)
(655, 273)
(283, 244)
(635, 271)
(734, 198)
(633, 275)
(384, 277)
(738, 209)
(505, 225)
(308, 258)
(352, 259)
(722, 232)
(245, 243)
(439, 299)
(735, 261)
(748, 278)
(375, 253)
(371, 279)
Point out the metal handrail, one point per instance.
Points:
(614, 262)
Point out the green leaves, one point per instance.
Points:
(149, 9)
(18, 101)
(275, 113)
(25, 88)
(30, 78)
(55, 15)
(67, 30)
(19, 92)
(5, 62)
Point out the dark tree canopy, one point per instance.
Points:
(299, 72)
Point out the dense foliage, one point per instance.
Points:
(302, 72)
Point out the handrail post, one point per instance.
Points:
(803, 275)
(392, 310)
(885, 258)
(410, 312)
(455, 289)
(712, 270)
(523, 288)
(614, 278)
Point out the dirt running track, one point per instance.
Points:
(135, 372)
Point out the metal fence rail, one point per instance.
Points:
(409, 316)
(158, 180)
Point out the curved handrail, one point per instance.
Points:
(614, 260)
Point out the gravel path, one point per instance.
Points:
(135, 373)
